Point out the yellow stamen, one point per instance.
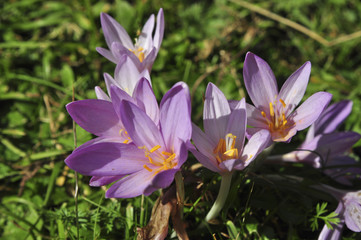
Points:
(220, 145)
(271, 112)
(218, 159)
(233, 153)
(126, 141)
(283, 103)
(170, 158)
(166, 153)
(146, 167)
(250, 156)
(154, 148)
(263, 114)
(150, 159)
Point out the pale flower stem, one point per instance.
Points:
(221, 198)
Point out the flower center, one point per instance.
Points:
(276, 120)
(159, 160)
(225, 149)
(124, 134)
(138, 51)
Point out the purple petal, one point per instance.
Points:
(101, 181)
(107, 54)
(256, 144)
(131, 186)
(117, 96)
(175, 119)
(206, 161)
(332, 117)
(310, 110)
(255, 118)
(159, 31)
(163, 179)
(343, 174)
(294, 88)
(335, 234)
(353, 215)
(114, 32)
(260, 81)
(126, 75)
(148, 61)
(107, 159)
(141, 129)
(237, 124)
(146, 99)
(115, 139)
(109, 81)
(95, 116)
(118, 51)
(229, 164)
(101, 95)
(145, 39)
(215, 113)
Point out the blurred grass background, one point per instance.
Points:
(47, 46)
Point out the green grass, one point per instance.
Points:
(45, 46)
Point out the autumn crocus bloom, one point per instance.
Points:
(326, 148)
(126, 77)
(273, 110)
(155, 154)
(221, 148)
(101, 117)
(349, 213)
(146, 47)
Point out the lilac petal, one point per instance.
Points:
(353, 215)
(256, 144)
(107, 159)
(97, 181)
(163, 179)
(119, 50)
(260, 81)
(206, 161)
(237, 124)
(232, 104)
(229, 164)
(332, 117)
(159, 31)
(114, 32)
(203, 142)
(95, 116)
(145, 39)
(109, 81)
(310, 110)
(148, 61)
(335, 234)
(131, 186)
(127, 75)
(294, 88)
(255, 118)
(101, 95)
(215, 113)
(146, 99)
(107, 54)
(343, 174)
(251, 131)
(115, 139)
(117, 96)
(175, 118)
(141, 129)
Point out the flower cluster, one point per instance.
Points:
(141, 145)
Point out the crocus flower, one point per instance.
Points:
(155, 154)
(349, 212)
(101, 117)
(221, 147)
(126, 77)
(146, 47)
(326, 148)
(273, 110)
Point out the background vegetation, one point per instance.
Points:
(46, 47)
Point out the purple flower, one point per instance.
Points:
(146, 47)
(221, 148)
(126, 77)
(349, 212)
(156, 153)
(325, 148)
(274, 110)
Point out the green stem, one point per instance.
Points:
(221, 198)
